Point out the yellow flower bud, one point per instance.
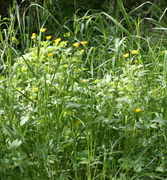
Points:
(82, 50)
(57, 40)
(76, 44)
(50, 54)
(33, 36)
(134, 52)
(84, 42)
(138, 110)
(126, 55)
(84, 81)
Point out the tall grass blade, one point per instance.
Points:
(127, 18)
(118, 24)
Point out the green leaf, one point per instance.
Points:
(15, 144)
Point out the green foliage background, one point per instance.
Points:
(90, 102)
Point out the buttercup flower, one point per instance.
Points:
(43, 29)
(84, 81)
(76, 44)
(134, 52)
(50, 54)
(57, 40)
(138, 110)
(33, 36)
(82, 50)
(48, 37)
(126, 55)
(84, 42)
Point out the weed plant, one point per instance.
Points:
(86, 103)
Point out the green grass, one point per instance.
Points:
(86, 112)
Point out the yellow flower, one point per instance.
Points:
(57, 40)
(82, 50)
(134, 52)
(42, 29)
(84, 81)
(76, 44)
(84, 42)
(50, 54)
(48, 37)
(138, 110)
(33, 36)
(126, 55)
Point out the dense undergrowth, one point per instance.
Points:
(86, 100)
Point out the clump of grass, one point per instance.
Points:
(88, 104)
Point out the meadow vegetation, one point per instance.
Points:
(83, 98)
